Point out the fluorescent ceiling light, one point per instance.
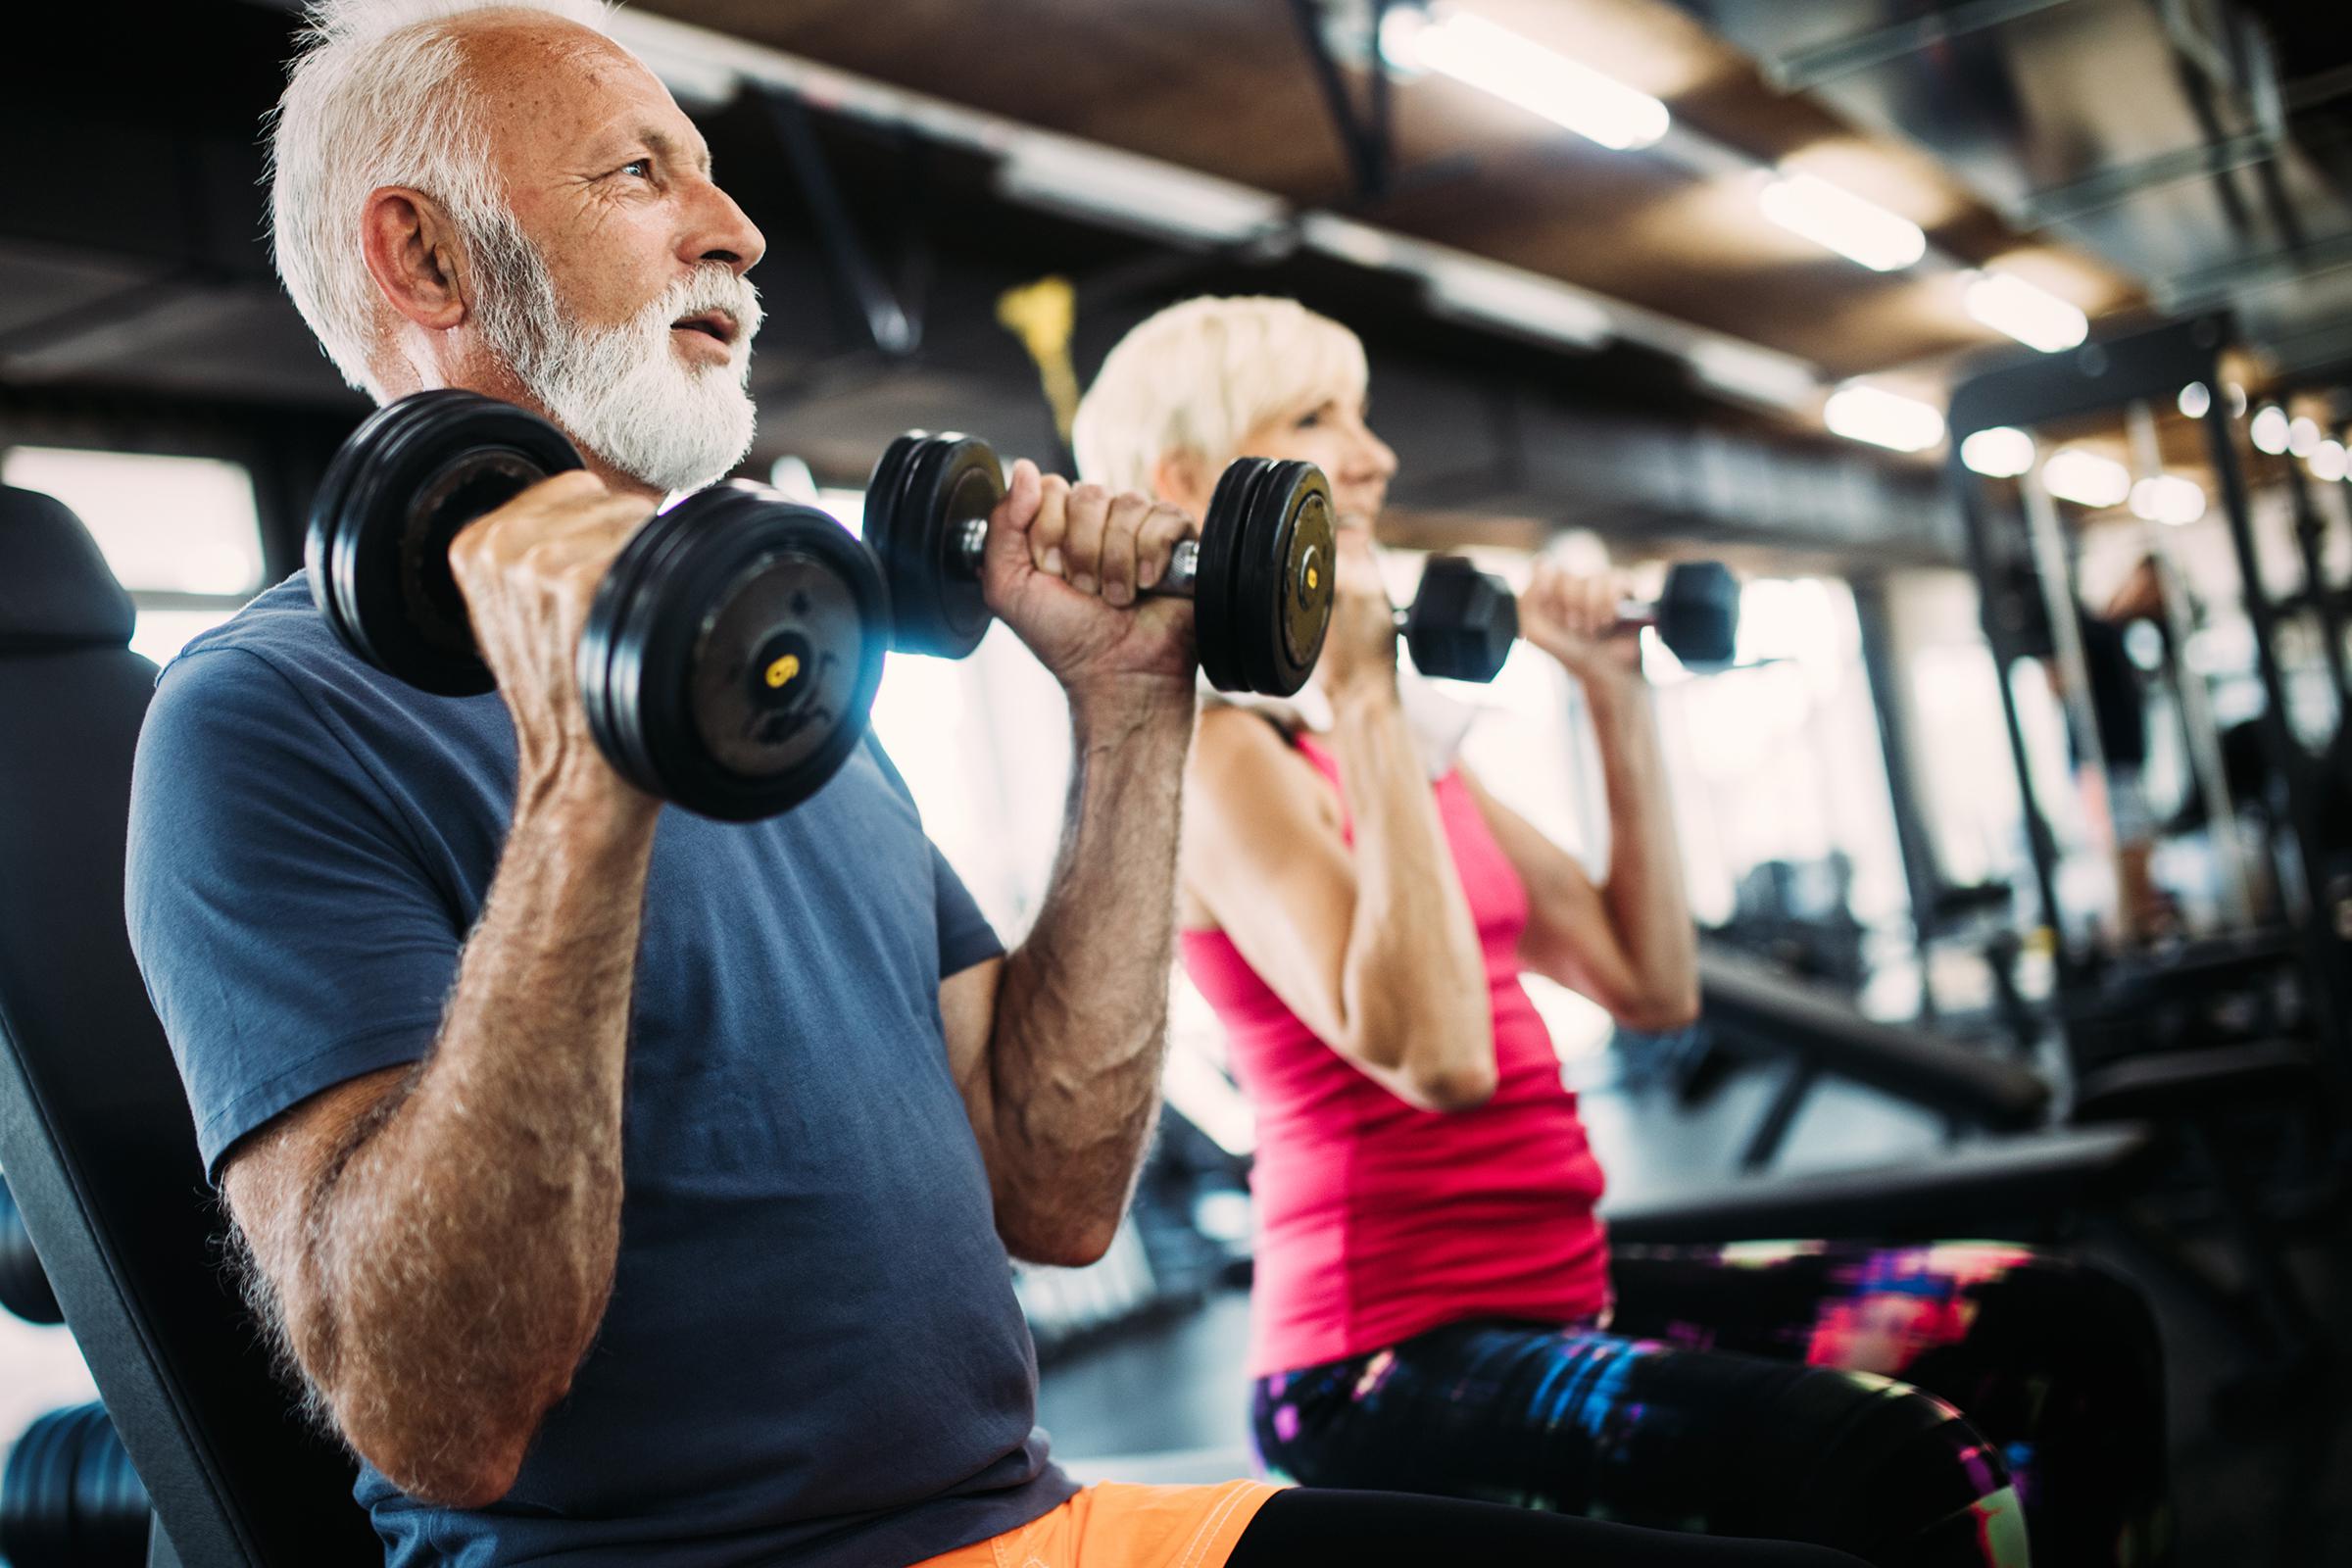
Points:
(2269, 430)
(1519, 71)
(2328, 461)
(2085, 478)
(2035, 316)
(1856, 229)
(2168, 498)
(1132, 192)
(1777, 380)
(2001, 453)
(2303, 437)
(1347, 239)
(1882, 418)
(2195, 400)
(1519, 302)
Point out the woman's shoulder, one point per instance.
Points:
(1233, 731)
(1245, 757)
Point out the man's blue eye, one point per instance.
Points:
(644, 168)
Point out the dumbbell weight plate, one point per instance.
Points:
(1699, 614)
(70, 1496)
(1262, 593)
(1463, 622)
(1294, 573)
(36, 1492)
(732, 653)
(923, 492)
(110, 1507)
(24, 1285)
(1215, 572)
(398, 492)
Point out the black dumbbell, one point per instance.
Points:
(732, 650)
(1259, 576)
(23, 1285)
(70, 1496)
(1463, 620)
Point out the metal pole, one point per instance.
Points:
(2056, 572)
(1881, 674)
(2204, 737)
(2188, 689)
(2040, 848)
(2324, 930)
(2311, 536)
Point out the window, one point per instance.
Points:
(183, 535)
(40, 1369)
(1779, 759)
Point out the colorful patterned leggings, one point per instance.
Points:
(1747, 1390)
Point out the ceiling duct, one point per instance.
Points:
(2203, 145)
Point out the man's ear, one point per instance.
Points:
(1181, 477)
(411, 249)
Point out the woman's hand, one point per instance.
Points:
(1575, 620)
(1359, 652)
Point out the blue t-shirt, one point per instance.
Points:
(812, 1354)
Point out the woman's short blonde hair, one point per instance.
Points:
(1196, 378)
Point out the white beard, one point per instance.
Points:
(622, 392)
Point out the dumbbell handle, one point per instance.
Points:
(1184, 561)
(1632, 614)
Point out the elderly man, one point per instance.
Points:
(626, 1186)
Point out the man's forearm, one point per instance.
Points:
(1081, 1016)
(460, 1257)
(1647, 903)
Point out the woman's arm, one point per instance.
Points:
(1572, 933)
(1630, 943)
(1375, 951)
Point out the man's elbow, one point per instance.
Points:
(478, 1484)
(1075, 1250)
(1062, 1242)
(469, 1463)
(441, 1447)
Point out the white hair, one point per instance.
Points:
(1196, 378)
(376, 97)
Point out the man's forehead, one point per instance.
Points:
(565, 88)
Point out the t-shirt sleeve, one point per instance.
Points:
(289, 935)
(966, 937)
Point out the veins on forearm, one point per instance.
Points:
(457, 1243)
(1082, 1017)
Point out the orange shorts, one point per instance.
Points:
(1119, 1526)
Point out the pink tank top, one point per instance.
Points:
(1377, 1221)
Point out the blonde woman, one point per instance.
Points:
(1436, 1305)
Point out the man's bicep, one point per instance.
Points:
(967, 1010)
(289, 936)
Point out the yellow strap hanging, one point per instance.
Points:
(1043, 314)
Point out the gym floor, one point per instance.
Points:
(2257, 1482)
